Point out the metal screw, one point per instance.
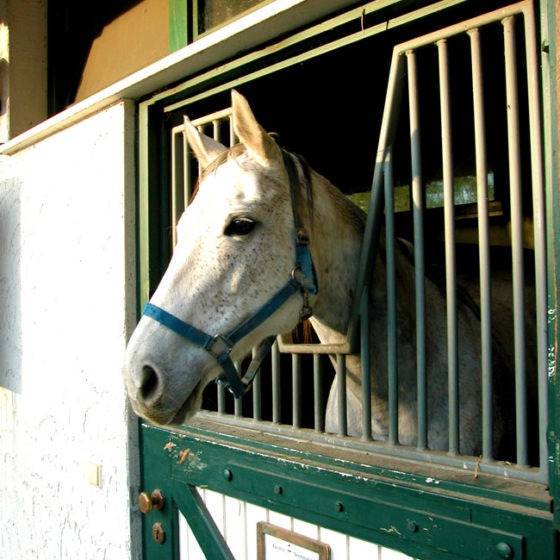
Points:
(228, 475)
(504, 550)
(339, 506)
(158, 533)
(278, 489)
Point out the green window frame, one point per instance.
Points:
(464, 519)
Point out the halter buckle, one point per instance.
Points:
(302, 236)
(219, 353)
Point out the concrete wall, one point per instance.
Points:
(67, 297)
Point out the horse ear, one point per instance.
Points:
(258, 142)
(205, 149)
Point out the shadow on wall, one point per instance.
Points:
(10, 285)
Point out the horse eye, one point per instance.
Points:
(240, 226)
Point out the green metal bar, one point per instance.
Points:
(257, 394)
(318, 414)
(341, 386)
(392, 345)
(514, 154)
(201, 523)
(373, 224)
(450, 264)
(276, 385)
(296, 391)
(366, 366)
(539, 225)
(484, 244)
(419, 268)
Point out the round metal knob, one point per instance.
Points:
(147, 502)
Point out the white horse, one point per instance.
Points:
(235, 252)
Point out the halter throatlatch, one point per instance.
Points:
(303, 279)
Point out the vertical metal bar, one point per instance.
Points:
(318, 408)
(450, 266)
(176, 184)
(392, 365)
(216, 133)
(366, 367)
(514, 154)
(221, 393)
(238, 401)
(276, 386)
(483, 244)
(419, 267)
(187, 174)
(539, 227)
(341, 386)
(373, 224)
(231, 131)
(256, 391)
(296, 391)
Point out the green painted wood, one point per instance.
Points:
(403, 516)
(201, 523)
(179, 24)
(549, 46)
(245, 67)
(157, 474)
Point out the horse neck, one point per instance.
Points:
(336, 240)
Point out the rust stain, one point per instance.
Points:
(183, 456)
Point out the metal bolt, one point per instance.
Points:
(412, 526)
(504, 550)
(158, 533)
(228, 475)
(145, 502)
(339, 506)
(278, 489)
(157, 499)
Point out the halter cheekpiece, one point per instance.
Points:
(303, 279)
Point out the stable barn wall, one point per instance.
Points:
(67, 297)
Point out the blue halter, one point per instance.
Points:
(303, 279)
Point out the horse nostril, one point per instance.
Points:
(150, 383)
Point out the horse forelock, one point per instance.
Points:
(306, 177)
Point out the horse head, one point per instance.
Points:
(234, 255)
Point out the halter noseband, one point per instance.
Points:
(303, 279)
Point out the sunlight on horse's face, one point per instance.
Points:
(235, 249)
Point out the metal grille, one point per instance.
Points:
(310, 372)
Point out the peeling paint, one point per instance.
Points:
(431, 480)
(391, 530)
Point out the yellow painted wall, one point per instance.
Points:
(135, 39)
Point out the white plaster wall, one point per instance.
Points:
(67, 300)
